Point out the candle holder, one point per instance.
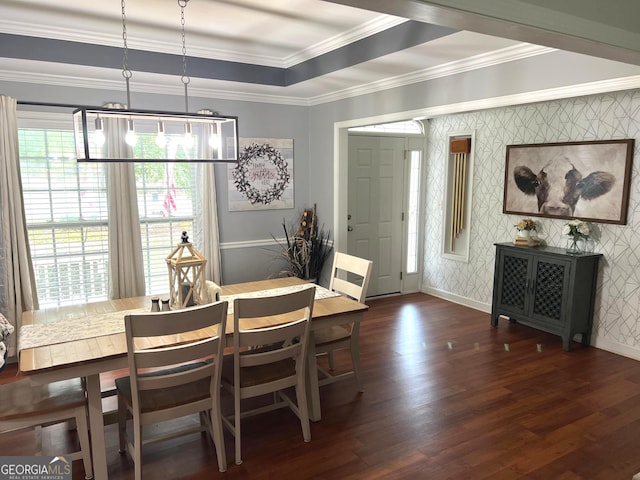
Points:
(186, 274)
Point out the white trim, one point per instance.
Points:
(372, 27)
(557, 93)
(267, 242)
(615, 347)
(459, 299)
(34, 29)
(341, 192)
(30, 71)
(476, 62)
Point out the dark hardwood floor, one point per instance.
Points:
(447, 396)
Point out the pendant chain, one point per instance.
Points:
(126, 73)
(185, 78)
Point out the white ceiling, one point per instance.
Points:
(274, 33)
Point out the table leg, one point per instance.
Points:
(96, 425)
(313, 389)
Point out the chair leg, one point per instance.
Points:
(38, 437)
(236, 432)
(303, 409)
(122, 425)
(332, 366)
(218, 437)
(137, 450)
(83, 435)
(355, 359)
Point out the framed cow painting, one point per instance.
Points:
(585, 180)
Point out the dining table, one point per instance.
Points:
(87, 339)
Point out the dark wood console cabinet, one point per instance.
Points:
(546, 288)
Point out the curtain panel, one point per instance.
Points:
(19, 288)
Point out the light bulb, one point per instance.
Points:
(214, 140)
(98, 135)
(130, 137)
(187, 141)
(161, 138)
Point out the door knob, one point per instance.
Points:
(349, 228)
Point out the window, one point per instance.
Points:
(415, 172)
(166, 208)
(67, 219)
(66, 212)
(406, 127)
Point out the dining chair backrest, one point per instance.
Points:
(175, 362)
(291, 338)
(270, 359)
(146, 331)
(350, 276)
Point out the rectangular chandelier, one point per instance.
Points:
(122, 135)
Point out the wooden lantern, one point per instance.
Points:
(186, 274)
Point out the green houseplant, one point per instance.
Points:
(305, 248)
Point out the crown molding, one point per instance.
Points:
(550, 94)
(26, 71)
(376, 25)
(505, 55)
(365, 30)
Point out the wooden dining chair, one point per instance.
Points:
(350, 276)
(167, 382)
(23, 405)
(269, 359)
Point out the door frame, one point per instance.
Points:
(341, 176)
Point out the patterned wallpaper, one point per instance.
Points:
(597, 117)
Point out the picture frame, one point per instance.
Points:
(582, 180)
(263, 177)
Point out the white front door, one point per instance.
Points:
(376, 199)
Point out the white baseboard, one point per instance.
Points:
(619, 349)
(459, 299)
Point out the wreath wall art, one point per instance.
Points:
(263, 177)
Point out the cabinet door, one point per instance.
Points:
(550, 284)
(513, 282)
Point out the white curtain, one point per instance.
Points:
(19, 286)
(126, 267)
(206, 222)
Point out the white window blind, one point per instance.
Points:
(166, 208)
(66, 214)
